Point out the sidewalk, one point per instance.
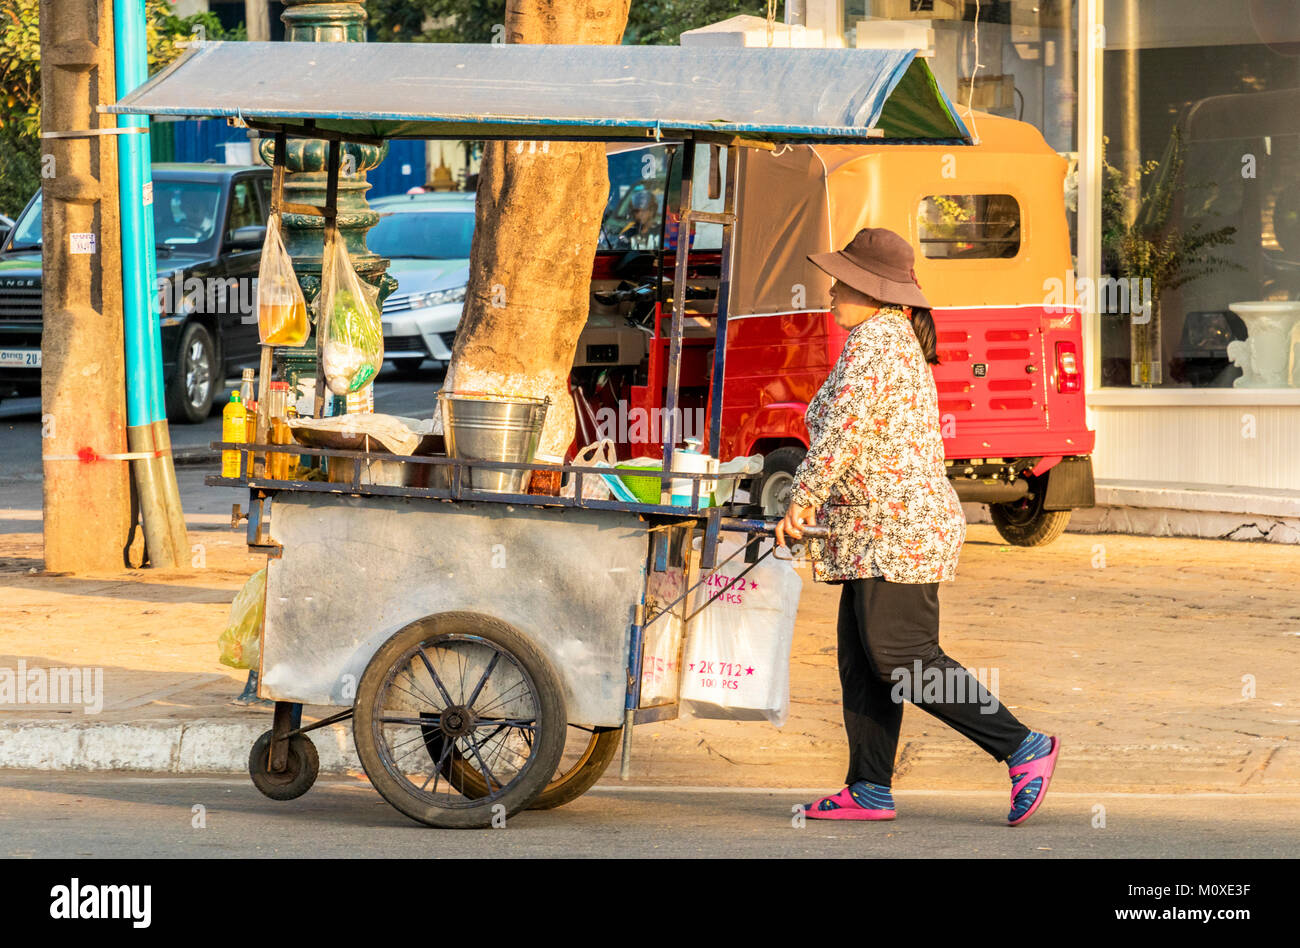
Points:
(1135, 651)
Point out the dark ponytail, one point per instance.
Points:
(923, 326)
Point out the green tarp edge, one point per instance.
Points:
(909, 111)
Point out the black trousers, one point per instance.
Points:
(889, 652)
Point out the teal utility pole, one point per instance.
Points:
(147, 434)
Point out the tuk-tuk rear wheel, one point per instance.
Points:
(778, 479)
(1026, 523)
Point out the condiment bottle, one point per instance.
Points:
(291, 461)
(234, 428)
(276, 396)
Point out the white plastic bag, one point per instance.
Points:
(599, 454)
(736, 659)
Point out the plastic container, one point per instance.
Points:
(688, 461)
(234, 428)
(647, 489)
(644, 489)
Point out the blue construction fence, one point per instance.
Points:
(206, 140)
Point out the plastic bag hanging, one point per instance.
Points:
(240, 644)
(736, 657)
(281, 309)
(353, 336)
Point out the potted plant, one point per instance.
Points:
(1144, 239)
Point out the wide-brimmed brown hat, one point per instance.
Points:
(877, 262)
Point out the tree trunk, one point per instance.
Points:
(87, 500)
(537, 222)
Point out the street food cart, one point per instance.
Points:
(468, 633)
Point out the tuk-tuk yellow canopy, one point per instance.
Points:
(813, 198)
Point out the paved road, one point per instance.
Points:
(74, 815)
(20, 419)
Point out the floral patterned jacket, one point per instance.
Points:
(875, 467)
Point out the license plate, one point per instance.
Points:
(21, 358)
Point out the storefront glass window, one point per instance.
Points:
(1025, 68)
(1201, 199)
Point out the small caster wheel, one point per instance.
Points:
(300, 768)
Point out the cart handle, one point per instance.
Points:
(767, 528)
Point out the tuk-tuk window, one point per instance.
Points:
(633, 217)
(969, 226)
(638, 182)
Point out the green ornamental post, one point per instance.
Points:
(326, 21)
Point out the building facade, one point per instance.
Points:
(1182, 119)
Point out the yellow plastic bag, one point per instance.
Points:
(281, 311)
(241, 643)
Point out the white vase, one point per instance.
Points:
(1265, 356)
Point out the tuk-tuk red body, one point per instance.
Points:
(992, 244)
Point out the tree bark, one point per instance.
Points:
(87, 499)
(538, 218)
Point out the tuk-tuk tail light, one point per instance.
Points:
(1068, 377)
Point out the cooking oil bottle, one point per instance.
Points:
(234, 429)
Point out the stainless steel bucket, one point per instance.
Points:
(493, 428)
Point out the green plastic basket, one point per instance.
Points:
(646, 489)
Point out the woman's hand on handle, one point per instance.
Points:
(795, 519)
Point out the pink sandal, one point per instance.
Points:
(845, 808)
(1023, 774)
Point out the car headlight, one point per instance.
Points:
(438, 297)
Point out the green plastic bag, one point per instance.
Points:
(241, 643)
(352, 336)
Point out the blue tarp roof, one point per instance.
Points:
(479, 91)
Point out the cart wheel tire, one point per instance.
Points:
(300, 770)
(473, 810)
(599, 754)
(1026, 523)
(778, 479)
(565, 787)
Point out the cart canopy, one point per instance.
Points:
(483, 91)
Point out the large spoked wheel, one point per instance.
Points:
(491, 698)
(588, 752)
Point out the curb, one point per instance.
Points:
(198, 747)
(208, 747)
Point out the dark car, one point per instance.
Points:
(209, 223)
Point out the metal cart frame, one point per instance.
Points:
(308, 90)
